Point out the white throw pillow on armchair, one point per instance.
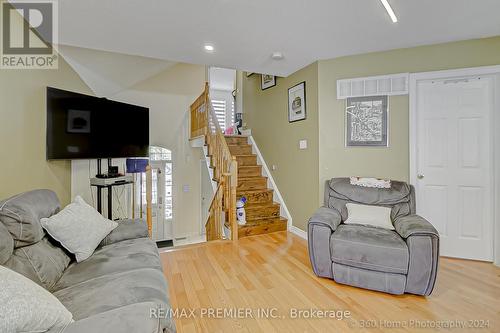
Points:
(375, 216)
(79, 228)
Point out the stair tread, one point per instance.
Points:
(261, 205)
(244, 155)
(252, 223)
(251, 177)
(249, 166)
(235, 136)
(255, 191)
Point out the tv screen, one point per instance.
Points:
(86, 127)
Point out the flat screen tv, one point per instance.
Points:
(86, 127)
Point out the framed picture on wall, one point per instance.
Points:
(366, 122)
(297, 102)
(248, 74)
(267, 81)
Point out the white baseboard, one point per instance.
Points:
(265, 172)
(299, 232)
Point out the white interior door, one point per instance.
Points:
(455, 163)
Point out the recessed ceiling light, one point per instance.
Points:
(389, 10)
(209, 48)
(277, 56)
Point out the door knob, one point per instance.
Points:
(420, 176)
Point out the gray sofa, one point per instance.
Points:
(112, 291)
(404, 260)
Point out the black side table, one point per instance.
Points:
(110, 196)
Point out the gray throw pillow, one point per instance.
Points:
(79, 228)
(27, 307)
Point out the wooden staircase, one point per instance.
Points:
(262, 213)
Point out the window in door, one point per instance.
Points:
(162, 193)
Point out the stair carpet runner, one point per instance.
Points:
(262, 213)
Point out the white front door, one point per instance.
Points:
(454, 155)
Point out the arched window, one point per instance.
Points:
(161, 163)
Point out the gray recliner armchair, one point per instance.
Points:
(404, 260)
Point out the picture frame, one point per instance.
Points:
(267, 81)
(366, 122)
(248, 74)
(297, 102)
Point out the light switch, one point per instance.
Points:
(303, 144)
(274, 167)
(185, 188)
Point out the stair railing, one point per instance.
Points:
(225, 167)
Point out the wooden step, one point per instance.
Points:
(262, 211)
(240, 149)
(262, 227)
(244, 160)
(251, 183)
(250, 171)
(237, 140)
(256, 196)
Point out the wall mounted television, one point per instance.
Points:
(86, 127)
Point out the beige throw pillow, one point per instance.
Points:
(375, 216)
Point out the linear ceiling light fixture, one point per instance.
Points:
(389, 10)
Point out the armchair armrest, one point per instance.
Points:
(423, 247)
(319, 230)
(126, 229)
(131, 318)
(327, 217)
(410, 225)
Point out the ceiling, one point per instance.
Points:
(222, 78)
(108, 73)
(246, 32)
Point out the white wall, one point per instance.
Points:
(168, 96)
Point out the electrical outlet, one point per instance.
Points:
(274, 167)
(303, 144)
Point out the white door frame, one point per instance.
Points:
(461, 73)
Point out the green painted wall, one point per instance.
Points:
(22, 130)
(393, 162)
(266, 113)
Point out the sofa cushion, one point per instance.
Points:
(21, 215)
(111, 259)
(399, 197)
(43, 262)
(6, 244)
(112, 291)
(369, 248)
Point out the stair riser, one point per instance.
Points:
(251, 184)
(246, 160)
(249, 172)
(257, 198)
(237, 141)
(240, 150)
(262, 213)
(263, 228)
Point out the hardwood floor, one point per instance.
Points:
(272, 271)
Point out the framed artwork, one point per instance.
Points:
(249, 74)
(366, 122)
(297, 102)
(267, 81)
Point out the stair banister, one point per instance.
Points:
(204, 123)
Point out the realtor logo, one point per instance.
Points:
(29, 34)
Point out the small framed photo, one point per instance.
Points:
(366, 122)
(267, 81)
(297, 102)
(248, 74)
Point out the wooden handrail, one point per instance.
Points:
(225, 167)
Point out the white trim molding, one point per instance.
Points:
(270, 180)
(390, 85)
(493, 71)
(297, 231)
